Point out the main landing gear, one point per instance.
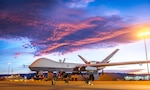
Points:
(61, 76)
(89, 79)
(53, 81)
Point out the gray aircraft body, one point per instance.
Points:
(44, 64)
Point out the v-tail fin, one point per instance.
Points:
(106, 60)
(85, 61)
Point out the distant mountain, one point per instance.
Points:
(112, 76)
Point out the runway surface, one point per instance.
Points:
(75, 85)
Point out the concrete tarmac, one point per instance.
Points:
(75, 85)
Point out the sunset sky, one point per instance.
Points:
(58, 29)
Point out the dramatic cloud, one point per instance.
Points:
(52, 26)
(79, 3)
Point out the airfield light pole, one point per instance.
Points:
(9, 67)
(144, 34)
(146, 54)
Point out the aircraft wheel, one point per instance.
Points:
(53, 82)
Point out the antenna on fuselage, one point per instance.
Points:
(64, 60)
(60, 61)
